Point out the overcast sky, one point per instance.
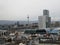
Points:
(20, 9)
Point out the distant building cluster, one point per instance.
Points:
(19, 26)
(43, 22)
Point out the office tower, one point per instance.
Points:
(44, 21)
(46, 12)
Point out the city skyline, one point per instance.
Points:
(20, 9)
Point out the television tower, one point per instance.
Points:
(28, 20)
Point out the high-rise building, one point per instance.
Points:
(44, 21)
(46, 12)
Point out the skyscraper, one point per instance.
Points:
(46, 12)
(44, 21)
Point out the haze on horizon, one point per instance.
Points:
(20, 9)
